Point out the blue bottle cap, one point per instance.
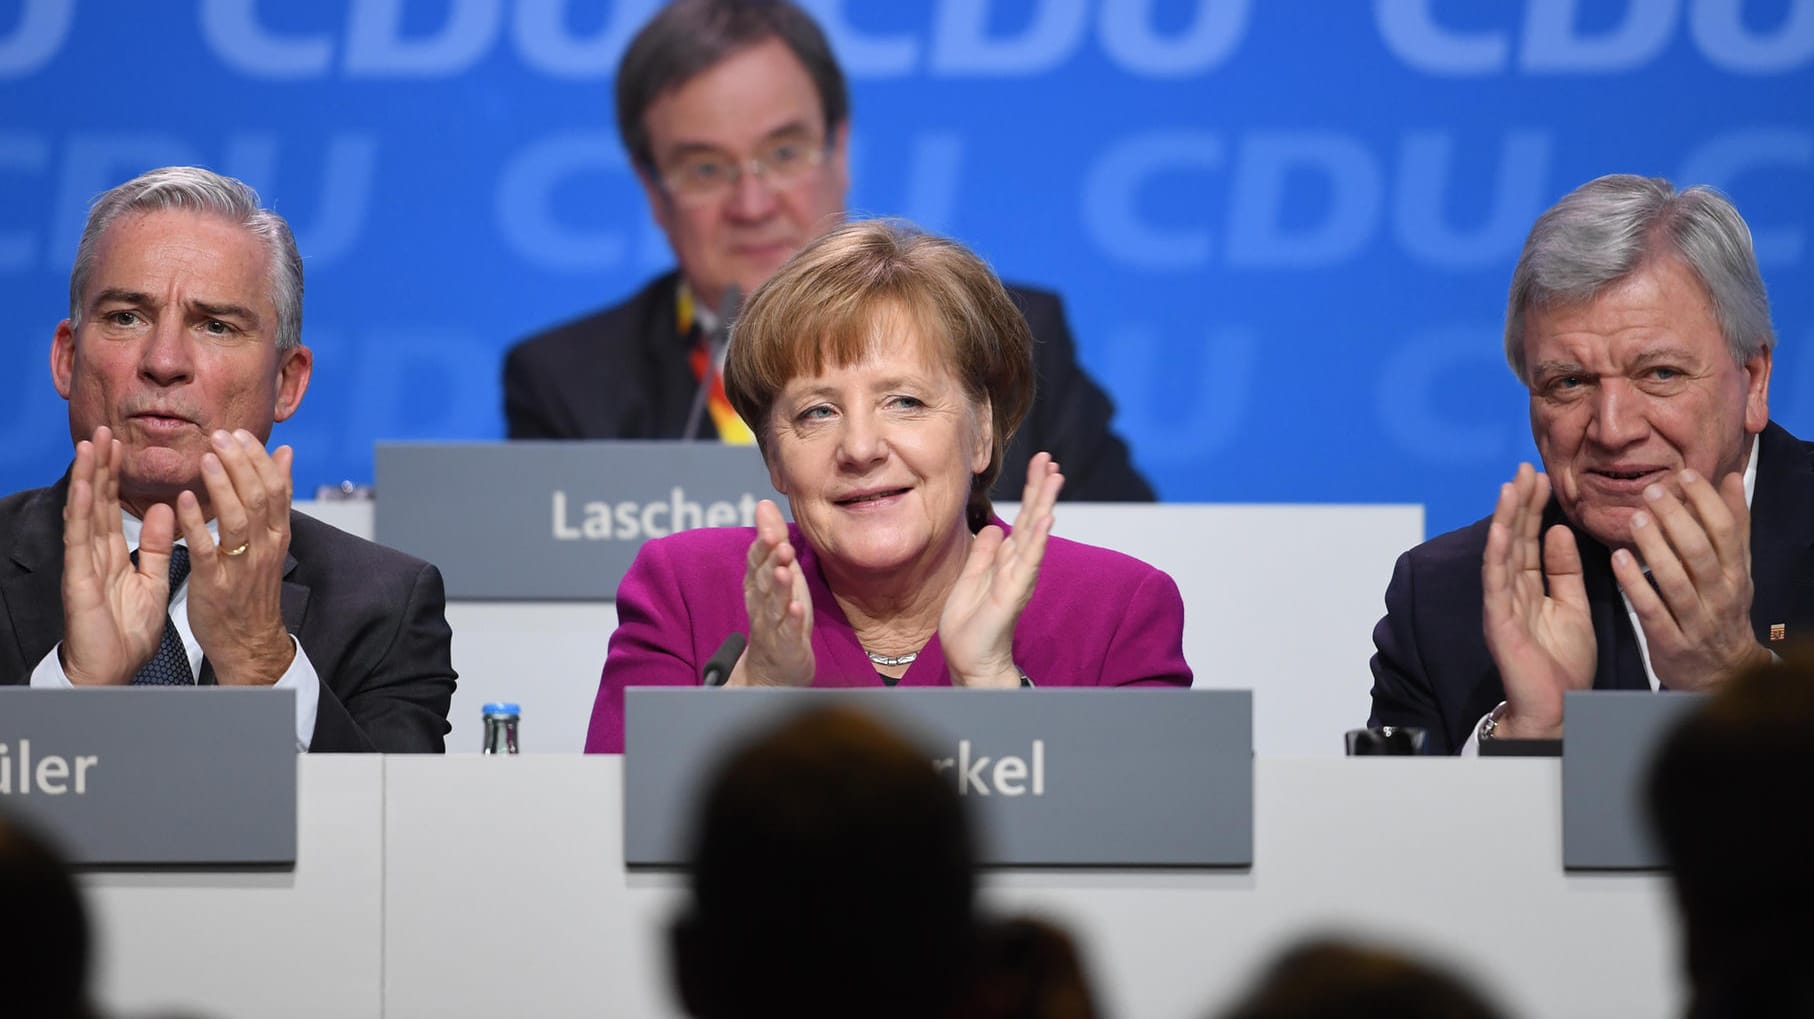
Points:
(497, 708)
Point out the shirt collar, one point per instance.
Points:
(1751, 467)
(130, 526)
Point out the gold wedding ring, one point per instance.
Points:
(241, 550)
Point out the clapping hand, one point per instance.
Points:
(1697, 619)
(780, 608)
(976, 628)
(113, 612)
(236, 587)
(1541, 640)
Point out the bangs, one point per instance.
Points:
(844, 329)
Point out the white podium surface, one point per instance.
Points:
(306, 943)
(533, 914)
(503, 891)
(1280, 600)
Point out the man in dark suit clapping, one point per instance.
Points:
(1670, 540)
(168, 555)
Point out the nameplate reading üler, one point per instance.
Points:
(154, 775)
(52, 777)
(555, 520)
(1052, 777)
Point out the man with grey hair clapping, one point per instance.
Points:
(1666, 542)
(168, 555)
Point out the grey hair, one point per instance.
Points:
(1612, 226)
(197, 190)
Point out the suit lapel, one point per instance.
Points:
(1782, 539)
(32, 587)
(295, 596)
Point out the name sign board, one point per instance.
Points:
(1611, 737)
(154, 775)
(1056, 777)
(555, 520)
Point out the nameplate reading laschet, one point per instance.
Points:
(555, 520)
(1052, 777)
(154, 775)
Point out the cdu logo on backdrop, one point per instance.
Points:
(1275, 226)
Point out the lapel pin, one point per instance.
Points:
(1778, 631)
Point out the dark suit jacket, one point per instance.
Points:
(622, 373)
(1432, 668)
(371, 620)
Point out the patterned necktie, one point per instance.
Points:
(170, 666)
(731, 428)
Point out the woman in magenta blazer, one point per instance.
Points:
(883, 371)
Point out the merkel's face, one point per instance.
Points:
(730, 227)
(177, 340)
(876, 458)
(1631, 387)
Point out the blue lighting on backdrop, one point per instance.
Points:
(1283, 230)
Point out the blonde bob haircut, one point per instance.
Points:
(824, 303)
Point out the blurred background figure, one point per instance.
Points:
(1729, 796)
(736, 117)
(832, 876)
(1027, 968)
(1337, 979)
(44, 935)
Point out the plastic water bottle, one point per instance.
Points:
(500, 728)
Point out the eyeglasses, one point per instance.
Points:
(706, 175)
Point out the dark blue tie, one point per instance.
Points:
(170, 666)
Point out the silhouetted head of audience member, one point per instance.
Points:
(1027, 969)
(1333, 979)
(44, 946)
(832, 876)
(1730, 794)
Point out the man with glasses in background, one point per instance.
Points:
(737, 119)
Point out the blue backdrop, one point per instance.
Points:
(1284, 229)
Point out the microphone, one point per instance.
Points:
(718, 667)
(715, 344)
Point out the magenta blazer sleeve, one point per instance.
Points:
(1100, 618)
(678, 601)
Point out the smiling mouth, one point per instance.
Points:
(859, 500)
